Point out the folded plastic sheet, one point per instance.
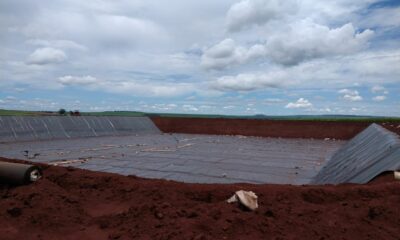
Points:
(371, 152)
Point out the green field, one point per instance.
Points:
(141, 114)
(115, 113)
(19, 113)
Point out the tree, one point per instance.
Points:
(62, 111)
(74, 113)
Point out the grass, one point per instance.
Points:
(349, 118)
(115, 113)
(18, 113)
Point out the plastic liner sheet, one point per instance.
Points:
(371, 152)
(186, 157)
(15, 129)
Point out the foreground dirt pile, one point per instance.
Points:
(76, 204)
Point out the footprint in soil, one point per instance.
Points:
(14, 212)
(205, 197)
(375, 212)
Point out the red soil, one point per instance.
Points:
(266, 128)
(70, 203)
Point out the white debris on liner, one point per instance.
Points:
(66, 162)
(246, 198)
(397, 175)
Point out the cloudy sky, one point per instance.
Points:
(229, 57)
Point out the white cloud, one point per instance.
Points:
(300, 103)
(172, 105)
(77, 80)
(327, 73)
(322, 110)
(247, 13)
(101, 29)
(19, 89)
(379, 89)
(149, 89)
(11, 98)
(327, 109)
(141, 88)
(333, 10)
(356, 109)
(350, 95)
(190, 108)
(228, 107)
(114, 30)
(43, 56)
(379, 98)
(163, 107)
(257, 12)
(381, 65)
(301, 41)
(305, 40)
(273, 100)
(381, 17)
(250, 81)
(227, 53)
(63, 44)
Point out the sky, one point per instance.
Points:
(231, 57)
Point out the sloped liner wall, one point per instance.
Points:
(14, 129)
(371, 152)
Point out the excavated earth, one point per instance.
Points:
(70, 203)
(268, 128)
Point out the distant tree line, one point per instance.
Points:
(64, 112)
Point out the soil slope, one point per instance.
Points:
(70, 203)
(267, 128)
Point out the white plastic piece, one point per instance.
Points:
(397, 175)
(246, 198)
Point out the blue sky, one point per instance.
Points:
(220, 57)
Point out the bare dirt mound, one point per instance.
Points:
(76, 204)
